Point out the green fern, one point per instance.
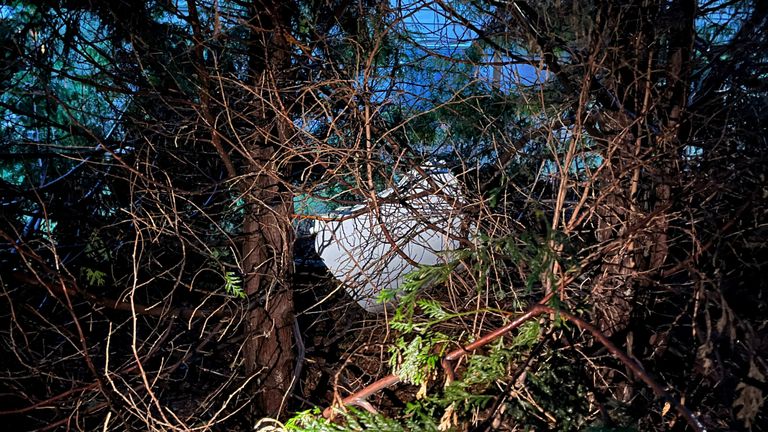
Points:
(527, 335)
(413, 283)
(433, 309)
(415, 362)
(233, 284)
(96, 249)
(353, 420)
(95, 277)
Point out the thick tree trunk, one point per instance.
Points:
(268, 256)
(268, 242)
(644, 162)
(622, 180)
(267, 248)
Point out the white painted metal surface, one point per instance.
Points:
(371, 247)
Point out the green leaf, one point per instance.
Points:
(95, 277)
(433, 309)
(233, 284)
(415, 361)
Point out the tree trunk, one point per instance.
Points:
(268, 256)
(268, 234)
(624, 178)
(645, 156)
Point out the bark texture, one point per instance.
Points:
(268, 234)
(651, 78)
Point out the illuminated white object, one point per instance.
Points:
(371, 247)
